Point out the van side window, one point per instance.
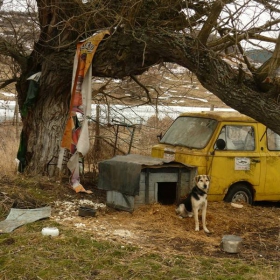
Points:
(237, 138)
(273, 140)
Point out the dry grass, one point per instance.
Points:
(156, 227)
(159, 245)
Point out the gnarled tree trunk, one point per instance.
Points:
(44, 125)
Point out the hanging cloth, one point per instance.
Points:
(76, 135)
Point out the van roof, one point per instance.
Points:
(221, 116)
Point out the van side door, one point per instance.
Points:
(235, 158)
(272, 153)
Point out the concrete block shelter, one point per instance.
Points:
(134, 180)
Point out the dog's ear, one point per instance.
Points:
(208, 177)
(196, 178)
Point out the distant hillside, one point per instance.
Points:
(259, 55)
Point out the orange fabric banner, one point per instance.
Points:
(80, 96)
(84, 55)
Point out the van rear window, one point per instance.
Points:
(192, 132)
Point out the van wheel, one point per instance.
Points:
(239, 194)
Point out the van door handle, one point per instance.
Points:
(255, 160)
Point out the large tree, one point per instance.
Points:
(210, 38)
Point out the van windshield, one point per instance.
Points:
(192, 132)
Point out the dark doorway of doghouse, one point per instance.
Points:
(166, 193)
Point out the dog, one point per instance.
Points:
(195, 201)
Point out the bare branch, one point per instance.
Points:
(210, 22)
(8, 49)
(142, 86)
(272, 5)
(229, 40)
(5, 83)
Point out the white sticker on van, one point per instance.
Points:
(242, 163)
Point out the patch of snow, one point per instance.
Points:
(200, 99)
(169, 78)
(7, 93)
(140, 114)
(179, 70)
(98, 81)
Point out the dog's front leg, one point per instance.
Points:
(195, 213)
(204, 218)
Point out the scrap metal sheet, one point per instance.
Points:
(18, 217)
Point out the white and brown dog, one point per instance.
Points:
(195, 201)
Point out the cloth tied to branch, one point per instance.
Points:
(76, 135)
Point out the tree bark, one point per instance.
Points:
(45, 122)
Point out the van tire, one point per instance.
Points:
(239, 193)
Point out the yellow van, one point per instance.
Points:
(241, 155)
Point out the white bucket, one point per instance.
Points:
(50, 231)
(231, 243)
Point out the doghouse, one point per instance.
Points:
(134, 180)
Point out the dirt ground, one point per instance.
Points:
(157, 228)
